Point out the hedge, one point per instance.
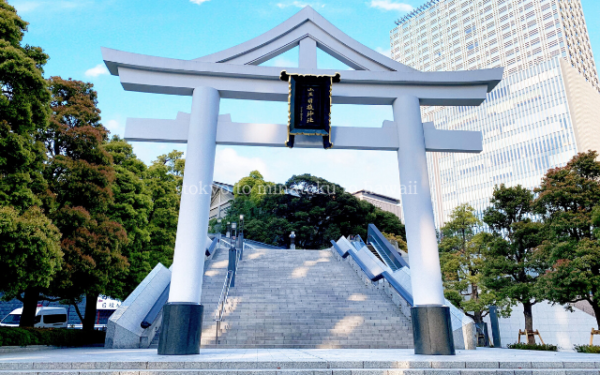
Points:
(10, 336)
(548, 347)
(587, 349)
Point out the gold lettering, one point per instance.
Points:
(310, 101)
(310, 119)
(309, 107)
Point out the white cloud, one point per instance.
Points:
(199, 1)
(299, 4)
(96, 71)
(390, 5)
(230, 167)
(112, 125)
(385, 52)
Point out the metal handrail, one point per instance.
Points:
(224, 295)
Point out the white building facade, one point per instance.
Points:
(538, 117)
(384, 202)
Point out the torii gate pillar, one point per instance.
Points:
(432, 328)
(182, 315)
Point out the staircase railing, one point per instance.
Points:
(375, 237)
(221, 305)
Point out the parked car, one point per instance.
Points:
(45, 317)
(105, 307)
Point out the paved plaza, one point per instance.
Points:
(297, 362)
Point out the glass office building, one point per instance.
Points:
(543, 112)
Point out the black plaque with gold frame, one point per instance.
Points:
(309, 104)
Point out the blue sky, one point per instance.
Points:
(72, 32)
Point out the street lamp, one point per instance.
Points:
(228, 234)
(234, 230)
(218, 230)
(241, 235)
(293, 241)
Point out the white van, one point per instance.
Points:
(45, 317)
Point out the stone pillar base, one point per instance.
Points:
(181, 329)
(432, 330)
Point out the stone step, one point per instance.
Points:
(300, 299)
(301, 367)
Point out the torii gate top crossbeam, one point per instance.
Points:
(233, 72)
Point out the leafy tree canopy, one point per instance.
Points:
(81, 177)
(569, 201)
(316, 209)
(29, 251)
(513, 261)
(164, 179)
(462, 261)
(131, 207)
(24, 114)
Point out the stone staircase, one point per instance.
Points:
(299, 299)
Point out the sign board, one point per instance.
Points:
(105, 303)
(309, 101)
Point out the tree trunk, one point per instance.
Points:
(30, 302)
(89, 320)
(527, 311)
(596, 308)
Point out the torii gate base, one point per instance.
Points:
(432, 330)
(181, 329)
(376, 80)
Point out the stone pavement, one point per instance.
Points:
(100, 361)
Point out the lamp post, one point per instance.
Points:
(241, 235)
(228, 234)
(293, 241)
(232, 255)
(218, 230)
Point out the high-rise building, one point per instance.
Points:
(475, 34)
(545, 110)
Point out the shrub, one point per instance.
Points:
(10, 336)
(548, 347)
(587, 349)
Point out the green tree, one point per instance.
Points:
(255, 188)
(164, 179)
(316, 209)
(462, 261)
(80, 175)
(24, 112)
(30, 255)
(569, 201)
(398, 239)
(513, 261)
(131, 207)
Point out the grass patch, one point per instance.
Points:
(587, 349)
(546, 347)
(10, 336)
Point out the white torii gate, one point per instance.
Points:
(234, 73)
